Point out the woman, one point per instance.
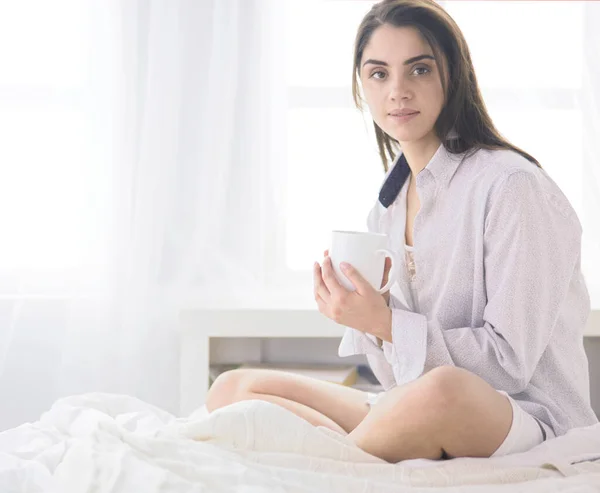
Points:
(479, 345)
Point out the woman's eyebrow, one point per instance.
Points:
(417, 58)
(407, 62)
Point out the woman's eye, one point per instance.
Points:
(378, 74)
(424, 70)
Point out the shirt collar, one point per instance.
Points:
(443, 164)
(441, 167)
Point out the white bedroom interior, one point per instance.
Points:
(159, 163)
(162, 160)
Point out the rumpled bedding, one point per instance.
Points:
(114, 443)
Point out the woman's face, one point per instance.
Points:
(399, 75)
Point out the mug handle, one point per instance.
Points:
(392, 275)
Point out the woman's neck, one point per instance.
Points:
(419, 153)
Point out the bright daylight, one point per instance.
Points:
(299, 246)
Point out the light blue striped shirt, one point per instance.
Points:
(497, 250)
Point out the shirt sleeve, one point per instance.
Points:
(357, 342)
(532, 241)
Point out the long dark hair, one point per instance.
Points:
(464, 124)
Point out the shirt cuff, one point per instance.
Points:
(408, 350)
(357, 342)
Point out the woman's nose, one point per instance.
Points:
(399, 89)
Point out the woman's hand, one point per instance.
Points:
(363, 309)
(386, 275)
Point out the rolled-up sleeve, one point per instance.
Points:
(531, 245)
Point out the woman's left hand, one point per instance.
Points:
(363, 309)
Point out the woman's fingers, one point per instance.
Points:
(321, 304)
(386, 271)
(320, 289)
(386, 276)
(331, 282)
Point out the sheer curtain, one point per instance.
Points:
(135, 175)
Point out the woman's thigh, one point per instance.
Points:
(344, 405)
(447, 411)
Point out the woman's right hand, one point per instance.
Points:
(386, 273)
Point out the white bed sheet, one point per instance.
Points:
(114, 443)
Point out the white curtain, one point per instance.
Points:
(165, 201)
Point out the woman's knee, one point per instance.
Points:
(226, 389)
(447, 387)
(436, 391)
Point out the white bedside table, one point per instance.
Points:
(197, 326)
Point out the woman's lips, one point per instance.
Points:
(404, 118)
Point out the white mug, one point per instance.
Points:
(366, 252)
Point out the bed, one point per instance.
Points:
(115, 443)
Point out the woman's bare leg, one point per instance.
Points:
(334, 406)
(447, 411)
